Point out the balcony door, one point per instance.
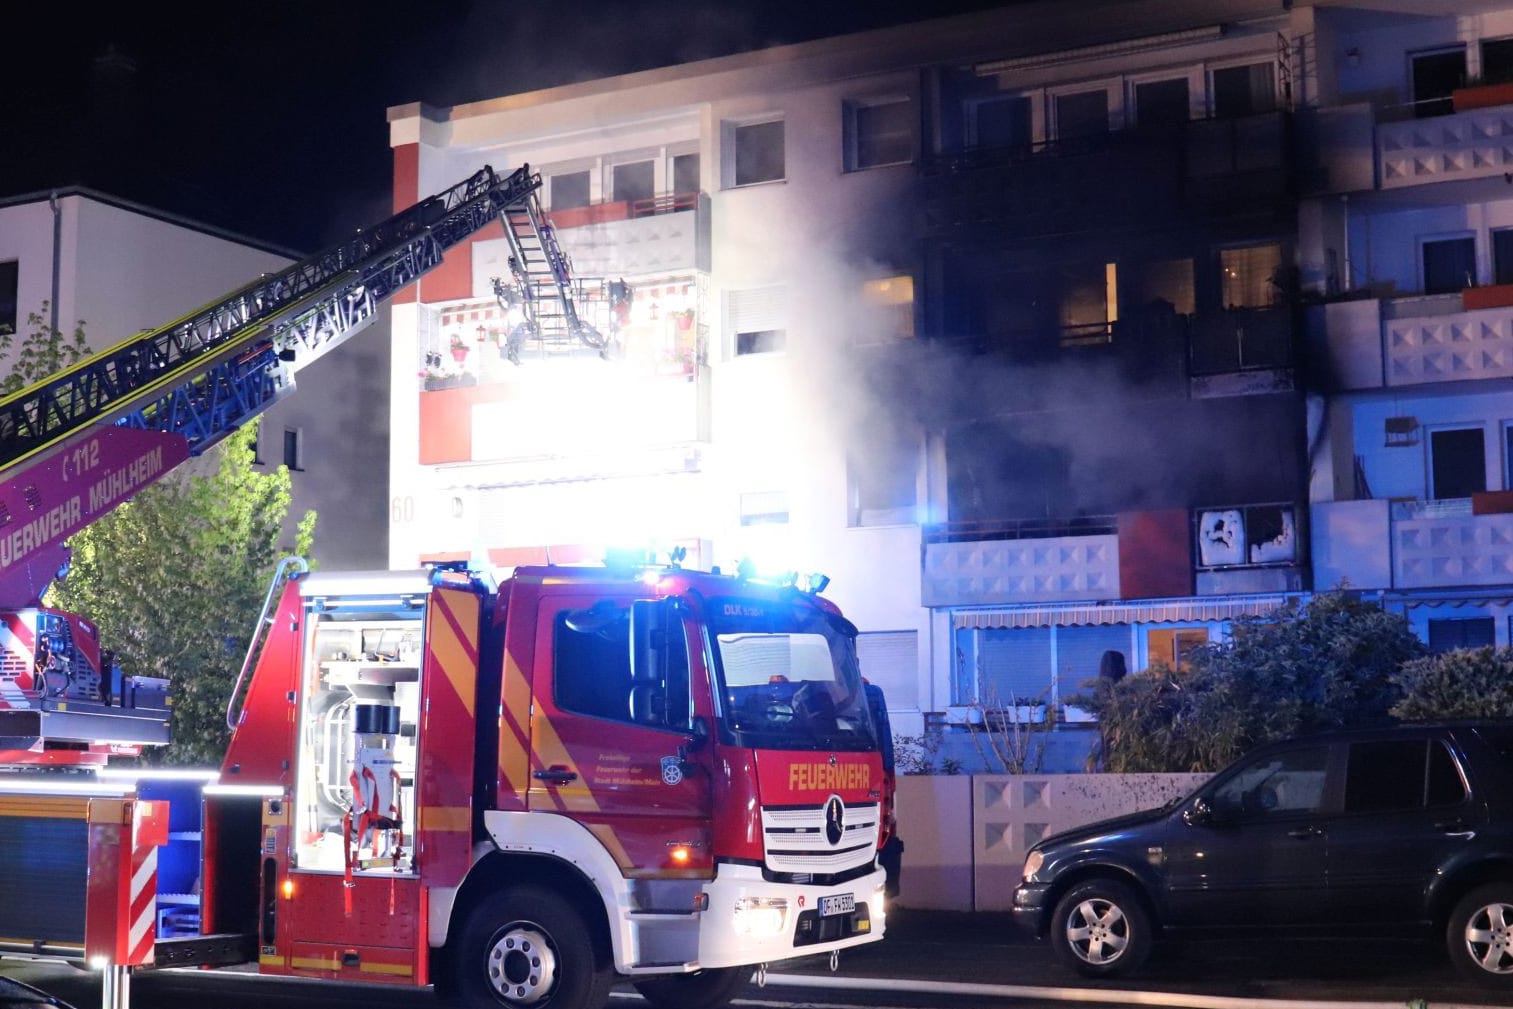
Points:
(1457, 463)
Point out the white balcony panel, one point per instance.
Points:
(1448, 348)
(1467, 145)
(1452, 550)
(990, 572)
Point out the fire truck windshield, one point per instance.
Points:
(788, 676)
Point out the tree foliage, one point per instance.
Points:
(1325, 664)
(175, 579)
(43, 351)
(1469, 683)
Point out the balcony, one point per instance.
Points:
(1131, 179)
(1379, 544)
(1241, 351)
(1465, 145)
(666, 234)
(1373, 343)
(983, 564)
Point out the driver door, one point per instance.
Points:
(1259, 858)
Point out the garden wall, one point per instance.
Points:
(965, 836)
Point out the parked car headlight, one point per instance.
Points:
(1032, 864)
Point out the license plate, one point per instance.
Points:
(841, 903)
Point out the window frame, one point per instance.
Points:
(1211, 91)
(1114, 112)
(852, 109)
(1431, 488)
(1445, 238)
(731, 145)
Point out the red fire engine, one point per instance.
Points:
(522, 793)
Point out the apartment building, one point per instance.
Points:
(1058, 335)
(78, 255)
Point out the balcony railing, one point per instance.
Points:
(622, 210)
(1020, 529)
(1466, 145)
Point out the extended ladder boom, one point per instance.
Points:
(79, 442)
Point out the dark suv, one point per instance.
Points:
(1392, 831)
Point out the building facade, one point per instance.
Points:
(1058, 335)
(79, 256)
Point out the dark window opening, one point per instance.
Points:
(1084, 114)
(1449, 265)
(685, 173)
(884, 134)
(764, 341)
(1497, 61)
(1457, 463)
(1463, 632)
(294, 449)
(1002, 123)
(759, 153)
(1244, 91)
(1161, 103)
(570, 190)
(9, 295)
(633, 181)
(1502, 256)
(1435, 76)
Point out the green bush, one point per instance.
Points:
(1322, 665)
(1469, 683)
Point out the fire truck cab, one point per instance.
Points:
(528, 792)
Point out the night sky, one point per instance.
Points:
(269, 119)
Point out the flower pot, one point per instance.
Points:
(459, 354)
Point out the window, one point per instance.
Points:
(758, 320)
(569, 190)
(1000, 123)
(294, 448)
(257, 446)
(9, 295)
(1435, 76)
(1401, 774)
(635, 180)
(1244, 90)
(597, 670)
(1168, 281)
(1246, 273)
(881, 479)
(1161, 103)
(1496, 61)
(1457, 463)
(878, 132)
(764, 508)
(888, 309)
(1449, 264)
(1089, 303)
(1502, 256)
(1173, 648)
(758, 152)
(1083, 114)
(890, 659)
(685, 173)
(1461, 632)
(1276, 785)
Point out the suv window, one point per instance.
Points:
(1401, 774)
(1280, 783)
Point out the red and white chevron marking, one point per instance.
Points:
(142, 934)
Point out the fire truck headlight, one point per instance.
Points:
(879, 907)
(760, 916)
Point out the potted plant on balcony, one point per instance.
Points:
(683, 319)
(459, 348)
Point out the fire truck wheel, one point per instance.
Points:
(704, 989)
(526, 948)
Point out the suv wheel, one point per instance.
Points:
(1480, 935)
(1101, 928)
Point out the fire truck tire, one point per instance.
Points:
(703, 989)
(527, 948)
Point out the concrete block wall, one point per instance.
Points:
(965, 836)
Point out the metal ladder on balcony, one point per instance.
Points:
(542, 280)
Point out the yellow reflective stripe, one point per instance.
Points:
(458, 818)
